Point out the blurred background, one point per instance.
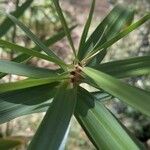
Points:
(42, 19)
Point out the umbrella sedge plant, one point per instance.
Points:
(59, 92)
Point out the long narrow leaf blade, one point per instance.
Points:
(25, 70)
(27, 51)
(133, 96)
(25, 101)
(35, 39)
(117, 25)
(13, 111)
(126, 68)
(29, 96)
(5, 87)
(86, 27)
(24, 57)
(56, 121)
(55, 38)
(124, 16)
(120, 35)
(64, 24)
(7, 24)
(99, 31)
(100, 125)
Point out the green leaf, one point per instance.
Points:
(27, 51)
(98, 58)
(5, 87)
(55, 38)
(50, 41)
(13, 111)
(25, 70)
(64, 24)
(116, 25)
(86, 27)
(29, 96)
(100, 125)
(138, 143)
(7, 24)
(9, 143)
(23, 57)
(126, 68)
(113, 28)
(119, 36)
(56, 120)
(98, 33)
(35, 39)
(25, 101)
(133, 96)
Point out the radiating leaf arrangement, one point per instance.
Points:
(59, 92)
